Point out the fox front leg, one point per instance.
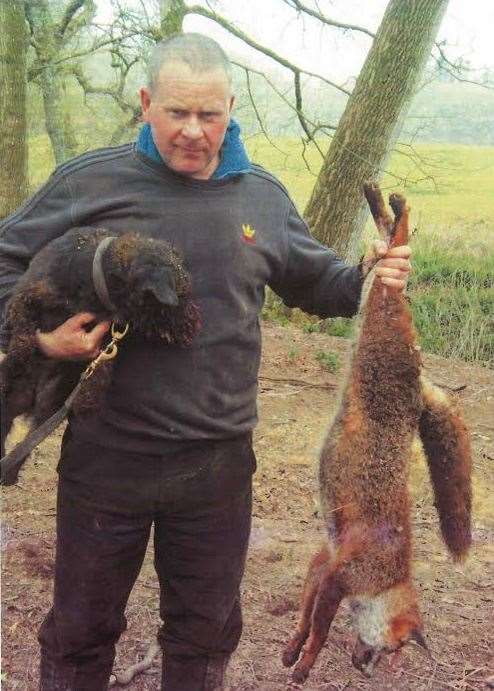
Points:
(317, 568)
(328, 599)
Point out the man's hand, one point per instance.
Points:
(392, 266)
(70, 340)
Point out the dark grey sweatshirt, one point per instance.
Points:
(236, 236)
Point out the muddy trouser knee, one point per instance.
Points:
(199, 497)
(99, 556)
(200, 552)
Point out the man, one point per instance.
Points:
(173, 444)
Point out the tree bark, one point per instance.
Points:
(45, 35)
(49, 40)
(51, 91)
(371, 122)
(172, 13)
(13, 140)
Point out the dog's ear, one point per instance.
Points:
(161, 283)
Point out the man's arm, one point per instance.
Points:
(45, 216)
(319, 282)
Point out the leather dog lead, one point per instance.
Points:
(11, 463)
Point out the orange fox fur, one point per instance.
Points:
(364, 480)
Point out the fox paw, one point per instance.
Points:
(300, 673)
(291, 652)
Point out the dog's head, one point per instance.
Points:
(152, 280)
(151, 289)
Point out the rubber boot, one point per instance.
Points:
(194, 673)
(55, 677)
(215, 673)
(62, 676)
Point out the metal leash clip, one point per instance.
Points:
(108, 352)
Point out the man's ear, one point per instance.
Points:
(232, 103)
(145, 95)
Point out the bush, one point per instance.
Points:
(329, 360)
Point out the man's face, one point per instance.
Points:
(188, 113)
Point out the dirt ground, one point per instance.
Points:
(296, 398)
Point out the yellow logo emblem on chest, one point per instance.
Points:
(249, 233)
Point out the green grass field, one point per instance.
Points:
(451, 191)
(452, 185)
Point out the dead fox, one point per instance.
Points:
(363, 477)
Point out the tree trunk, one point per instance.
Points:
(172, 13)
(51, 90)
(48, 44)
(13, 139)
(370, 124)
(71, 143)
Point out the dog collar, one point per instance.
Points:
(99, 277)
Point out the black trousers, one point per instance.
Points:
(198, 495)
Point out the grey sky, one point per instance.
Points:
(468, 26)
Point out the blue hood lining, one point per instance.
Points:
(234, 160)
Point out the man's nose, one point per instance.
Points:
(192, 129)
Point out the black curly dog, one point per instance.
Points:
(144, 285)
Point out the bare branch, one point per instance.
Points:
(116, 92)
(202, 11)
(316, 126)
(99, 43)
(304, 156)
(300, 7)
(256, 111)
(126, 676)
(300, 113)
(456, 69)
(447, 61)
(145, 12)
(30, 22)
(68, 15)
(81, 21)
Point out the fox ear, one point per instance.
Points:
(162, 285)
(417, 637)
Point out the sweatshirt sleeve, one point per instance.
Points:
(45, 216)
(314, 277)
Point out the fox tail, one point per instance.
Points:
(446, 445)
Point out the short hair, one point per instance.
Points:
(197, 51)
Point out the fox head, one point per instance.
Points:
(385, 623)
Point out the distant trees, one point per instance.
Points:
(63, 33)
(13, 142)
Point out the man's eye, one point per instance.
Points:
(208, 116)
(178, 113)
